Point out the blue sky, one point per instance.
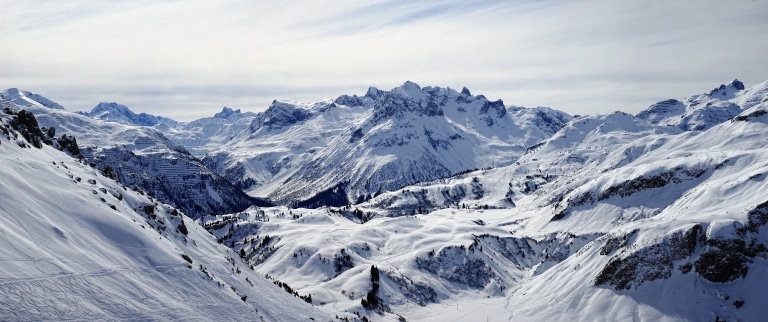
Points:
(187, 58)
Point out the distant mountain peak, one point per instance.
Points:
(111, 107)
(25, 98)
(373, 92)
(409, 85)
(700, 112)
(737, 84)
(114, 112)
(728, 91)
(226, 112)
(280, 114)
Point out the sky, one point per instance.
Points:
(186, 59)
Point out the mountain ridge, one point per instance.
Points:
(654, 216)
(385, 120)
(634, 220)
(144, 158)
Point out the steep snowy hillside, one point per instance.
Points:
(280, 140)
(24, 98)
(113, 112)
(611, 218)
(685, 232)
(362, 146)
(78, 245)
(584, 147)
(143, 157)
(700, 112)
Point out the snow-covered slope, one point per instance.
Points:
(479, 211)
(280, 140)
(611, 218)
(348, 150)
(142, 157)
(582, 148)
(700, 112)
(204, 135)
(113, 112)
(685, 227)
(24, 98)
(78, 245)
(199, 137)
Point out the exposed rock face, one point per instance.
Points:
(26, 124)
(391, 139)
(715, 258)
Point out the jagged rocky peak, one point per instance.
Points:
(110, 107)
(25, 98)
(435, 101)
(727, 91)
(114, 112)
(226, 112)
(408, 98)
(410, 89)
(548, 119)
(347, 100)
(280, 114)
(373, 92)
(737, 84)
(698, 112)
(495, 107)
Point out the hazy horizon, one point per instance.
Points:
(188, 59)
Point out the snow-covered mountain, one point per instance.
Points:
(208, 134)
(700, 112)
(113, 112)
(80, 246)
(610, 218)
(353, 148)
(280, 140)
(24, 98)
(143, 158)
(465, 209)
(199, 137)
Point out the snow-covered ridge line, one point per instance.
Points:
(145, 158)
(630, 219)
(355, 147)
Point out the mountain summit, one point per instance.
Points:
(349, 149)
(24, 98)
(113, 112)
(702, 111)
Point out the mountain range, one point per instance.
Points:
(417, 203)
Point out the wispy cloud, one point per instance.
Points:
(187, 58)
(377, 15)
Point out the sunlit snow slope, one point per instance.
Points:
(612, 218)
(143, 157)
(77, 245)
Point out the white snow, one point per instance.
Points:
(531, 236)
(67, 255)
